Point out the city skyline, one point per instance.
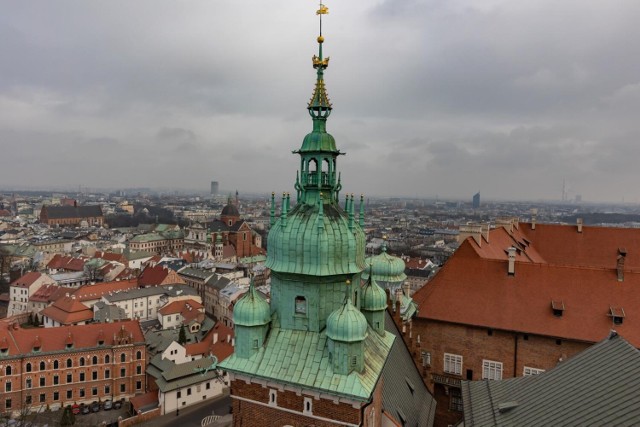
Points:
(434, 99)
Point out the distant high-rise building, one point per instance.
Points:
(476, 200)
(214, 187)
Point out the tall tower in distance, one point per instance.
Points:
(215, 188)
(321, 352)
(476, 200)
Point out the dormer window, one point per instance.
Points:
(617, 315)
(301, 305)
(558, 308)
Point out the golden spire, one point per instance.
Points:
(318, 61)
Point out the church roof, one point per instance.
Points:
(302, 358)
(230, 210)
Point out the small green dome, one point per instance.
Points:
(319, 141)
(251, 310)
(347, 324)
(374, 298)
(385, 268)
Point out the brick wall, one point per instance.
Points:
(140, 418)
(513, 349)
(251, 414)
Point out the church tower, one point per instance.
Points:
(312, 358)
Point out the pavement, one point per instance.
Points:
(92, 419)
(193, 415)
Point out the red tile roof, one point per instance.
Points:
(153, 275)
(62, 262)
(20, 341)
(48, 293)
(26, 280)
(180, 306)
(143, 400)
(93, 292)
(474, 288)
(68, 311)
(112, 256)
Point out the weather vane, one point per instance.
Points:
(319, 61)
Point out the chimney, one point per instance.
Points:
(579, 224)
(215, 337)
(507, 223)
(511, 253)
(622, 253)
(485, 231)
(534, 216)
(473, 230)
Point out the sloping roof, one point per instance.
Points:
(94, 292)
(301, 358)
(56, 212)
(188, 309)
(54, 339)
(403, 388)
(476, 290)
(67, 263)
(598, 387)
(145, 402)
(49, 293)
(171, 376)
(68, 311)
(26, 280)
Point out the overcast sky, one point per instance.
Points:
(430, 97)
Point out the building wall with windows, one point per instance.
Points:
(59, 370)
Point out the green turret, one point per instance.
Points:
(374, 303)
(315, 246)
(346, 330)
(251, 316)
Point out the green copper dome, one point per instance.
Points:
(317, 241)
(251, 310)
(374, 298)
(385, 268)
(347, 324)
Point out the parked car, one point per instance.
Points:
(95, 406)
(75, 409)
(84, 409)
(108, 405)
(117, 404)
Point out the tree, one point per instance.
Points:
(68, 419)
(36, 321)
(182, 337)
(30, 318)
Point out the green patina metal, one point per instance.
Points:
(374, 304)
(385, 268)
(317, 337)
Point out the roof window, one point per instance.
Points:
(617, 315)
(557, 307)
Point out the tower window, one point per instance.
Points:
(273, 397)
(308, 405)
(301, 305)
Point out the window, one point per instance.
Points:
(81, 392)
(453, 364)
(301, 305)
(69, 378)
(426, 358)
(308, 406)
(7, 386)
(81, 376)
(256, 344)
(138, 385)
(123, 388)
(94, 360)
(69, 363)
(189, 391)
(42, 367)
(29, 383)
(107, 374)
(94, 375)
(7, 370)
(94, 391)
(7, 404)
(491, 370)
(43, 397)
(69, 394)
(123, 358)
(455, 399)
(56, 395)
(107, 389)
(138, 369)
(273, 397)
(82, 361)
(28, 367)
(42, 381)
(138, 355)
(56, 380)
(179, 394)
(532, 371)
(56, 365)
(28, 400)
(208, 386)
(123, 372)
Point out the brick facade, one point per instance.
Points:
(514, 350)
(252, 406)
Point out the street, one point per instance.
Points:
(192, 416)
